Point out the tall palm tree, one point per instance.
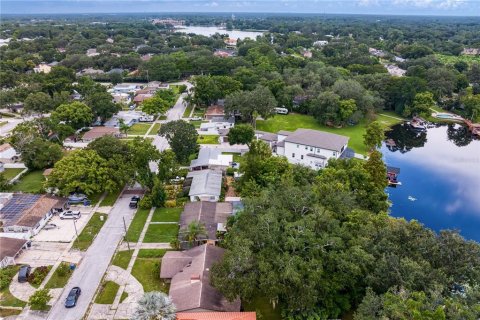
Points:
(194, 230)
(155, 306)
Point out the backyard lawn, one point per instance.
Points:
(31, 182)
(166, 214)
(139, 128)
(122, 258)
(110, 198)
(294, 121)
(210, 139)
(10, 173)
(60, 277)
(90, 231)
(161, 233)
(107, 292)
(136, 226)
(146, 271)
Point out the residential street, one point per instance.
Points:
(93, 266)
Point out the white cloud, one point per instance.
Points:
(441, 4)
(367, 3)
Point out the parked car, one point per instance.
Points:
(134, 202)
(76, 198)
(196, 118)
(72, 297)
(23, 273)
(70, 214)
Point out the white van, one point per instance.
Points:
(281, 110)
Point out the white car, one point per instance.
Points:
(69, 214)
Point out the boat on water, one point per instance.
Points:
(419, 124)
(392, 176)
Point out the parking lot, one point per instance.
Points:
(64, 230)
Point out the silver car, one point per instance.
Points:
(70, 214)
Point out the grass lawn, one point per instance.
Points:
(448, 59)
(31, 182)
(147, 272)
(161, 233)
(136, 226)
(124, 296)
(10, 173)
(122, 258)
(167, 214)
(188, 110)
(9, 312)
(294, 121)
(197, 123)
(6, 298)
(155, 129)
(59, 279)
(210, 139)
(107, 292)
(139, 128)
(110, 198)
(264, 309)
(90, 231)
(151, 253)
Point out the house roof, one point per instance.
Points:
(208, 213)
(266, 136)
(9, 247)
(216, 316)
(142, 96)
(97, 132)
(215, 110)
(5, 147)
(284, 133)
(36, 213)
(318, 139)
(190, 286)
(205, 182)
(211, 156)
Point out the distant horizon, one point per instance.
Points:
(441, 8)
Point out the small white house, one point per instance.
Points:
(8, 153)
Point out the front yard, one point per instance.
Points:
(107, 292)
(6, 298)
(208, 139)
(110, 198)
(90, 231)
(122, 258)
(60, 277)
(164, 233)
(147, 271)
(166, 214)
(30, 182)
(136, 226)
(139, 129)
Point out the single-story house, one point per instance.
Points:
(214, 111)
(215, 124)
(213, 215)
(129, 118)
(125, 88)
(217, 315)
(90, 72)
(224, 53)
(42, 68)
(311, 148)
(10, 248)
(97, 132)
(120, 97)
(8, 154)
(28, 213)
(270, 138)
(189, 275)
(230, 42)
(139, 98)
(146, 90)
(205, 185)
(158, 85)
(211, 158)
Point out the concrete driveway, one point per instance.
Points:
(90, 271)
(65, 230)
(42, 254)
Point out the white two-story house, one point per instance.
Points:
(311, 148)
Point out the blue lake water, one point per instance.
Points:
(440, 176)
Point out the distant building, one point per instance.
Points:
(42, 68)
(119, 97)
(471, 51)
(214, 111)
(92, 53)
(139, 98)
(230, 42)
(110, 40)
(98, 132)
(169, 21)
(307, 54)
(224, 53)
(189, 275)
(320, 43)
(90, 72)
(125, 88)
(377, 52)
(394, 70)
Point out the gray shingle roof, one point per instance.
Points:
(318, 139)
(208, 213)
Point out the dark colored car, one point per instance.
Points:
(134, 202)
(23, 273)
(72, 297)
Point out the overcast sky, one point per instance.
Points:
(400, 7)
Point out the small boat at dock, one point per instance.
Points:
(392, 176)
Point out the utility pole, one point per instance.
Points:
(125, 228)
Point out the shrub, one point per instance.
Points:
(146, 202)
(39, 300)
(6, 276)
(230, 171)
(38, 275)
(170, 203)
(182, 88)
(63, 269)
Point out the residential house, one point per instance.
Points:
(90, 72)
(205, 185)
(320, 43)
(471, 51)
(270, 138)
(8, 154)
(231, 43)
(28, 213)
(110, 40)
(189, 275)
(224, 53)
(98, 132)
(139, 98)
(158, 85)
(307, 54)
(129, 118)
(42, 68)
(125, 88)
(213, 215)
(215, 111)
(10, 248)
(211, 158)
(92, 53)
(120, 97)
(311, 148)
(216, 316)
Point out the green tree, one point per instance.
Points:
(422, 104)
(75, 114)
(142, 153)
(41, 154)
(83, 171)
(116, 77)
(168, 166)
(208, 89)
(182, 138)
(123, 127)
(102, 105)
(155, 105)
(38, 102)
(373, 136)
(346, 109)
(39, 300)
(158, 194)
(471, 103)
(241, 134)
(194, 232)
(377, 169)
(249, 104)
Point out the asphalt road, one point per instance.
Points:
(89, 273)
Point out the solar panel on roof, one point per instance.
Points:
(14, 208)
